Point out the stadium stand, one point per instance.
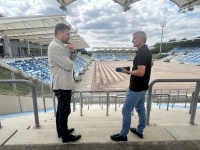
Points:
(112, 56)
(122, 56)
(38, 67)
(96, 56)
(186, 55)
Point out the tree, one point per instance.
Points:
(165, 48)
(172, 40)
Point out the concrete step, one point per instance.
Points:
(158, 117)
(93, 135)
(96, 128)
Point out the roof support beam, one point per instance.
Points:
(23, 31)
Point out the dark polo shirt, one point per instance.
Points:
(144, 58)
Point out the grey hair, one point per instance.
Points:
(141, 34)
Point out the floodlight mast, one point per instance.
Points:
(162, 24)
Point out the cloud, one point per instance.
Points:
(103, 22)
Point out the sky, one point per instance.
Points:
(103, 23)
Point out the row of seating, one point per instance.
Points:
(39, 67)
(183, 50)
(112, 56)
(190, 59)
(186, 55)
(20, 55)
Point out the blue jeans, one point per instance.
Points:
(133, 100)
(63, 111)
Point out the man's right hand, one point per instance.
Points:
(71, 47)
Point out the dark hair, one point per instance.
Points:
(61, 27)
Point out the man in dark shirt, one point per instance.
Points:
(135, 98)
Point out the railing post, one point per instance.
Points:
(42, 88)
(101, 102)
(160, 100)
(186, 98)
(191, 104)
(107, 103)
(88, 103)
(149, 103)
(194, 107)
(34, 104)
(81, 104)
(14, 84)
(73, 103)
(115, 103)
(44, 104)
(54, 104)
(168, 102)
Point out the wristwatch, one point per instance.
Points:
(73, 52)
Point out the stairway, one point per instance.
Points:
(166, 128)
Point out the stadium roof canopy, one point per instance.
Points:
(64, 4)
(184, 5)
(186, 42)
(37, 29)
(117, 48)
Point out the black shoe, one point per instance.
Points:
(71, 138)
(70, 131)
(117, 137)
(133, 130)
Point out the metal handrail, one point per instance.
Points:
(163, 95)
(116, 99)
(35, 107)
(193, 105)
(107, 100)
(54, 103)
(178, 96)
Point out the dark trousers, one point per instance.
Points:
(63, 111)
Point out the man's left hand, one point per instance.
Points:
(124, 70)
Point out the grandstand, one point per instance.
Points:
(112, 56)
(186, 55)
(38, 67)
(113, 53)
(186, 51)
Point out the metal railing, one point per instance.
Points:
(107, 98)
(176, 95)
(163, 95)
(54, 103)
(35, 107)
(118, 96)
(194, 100)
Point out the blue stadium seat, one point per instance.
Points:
(39, 67)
